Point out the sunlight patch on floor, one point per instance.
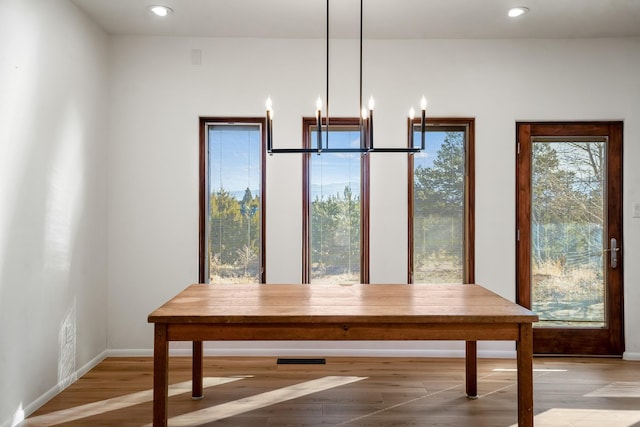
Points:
(261, 400)
(617, 389)
(102, 406)
(571, 417)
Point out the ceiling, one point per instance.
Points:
(387, 19)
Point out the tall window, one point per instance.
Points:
(231, 201)
(335, 207)
(441, 204)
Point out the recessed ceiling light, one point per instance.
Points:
(160, 10)
(514, 12)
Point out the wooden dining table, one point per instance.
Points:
(469, 313)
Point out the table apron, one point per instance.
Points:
(341, 331)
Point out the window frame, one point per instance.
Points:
(309, 124)
(203, 193)
(453, 123)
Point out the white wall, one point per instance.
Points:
(100, 133)
(53, 269)
(158, 96)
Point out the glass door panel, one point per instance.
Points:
(567, 229)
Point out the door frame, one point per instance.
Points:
(607, 341)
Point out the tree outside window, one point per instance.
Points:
(232, 218)
(333, 199)
(440, 218)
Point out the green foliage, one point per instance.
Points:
(567, 203)
(234, 235)
(551, 186)
(443, 183)
(335, 234)
(439, 214)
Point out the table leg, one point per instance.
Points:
(525, 376)
(197, 392)
(160, 375)
(471, 361)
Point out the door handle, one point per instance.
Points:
(613, 249)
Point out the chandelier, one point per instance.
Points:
(365, 124)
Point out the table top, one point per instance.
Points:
(379, 303)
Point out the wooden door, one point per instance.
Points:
(569, 235)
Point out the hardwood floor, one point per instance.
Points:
(369, 392)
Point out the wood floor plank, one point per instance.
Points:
(395, 392)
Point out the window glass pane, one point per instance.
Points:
(335, 210)
(234, 200)
(438, 217)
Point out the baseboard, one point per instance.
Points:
(143, 352)
(630, 356)
(57, 389)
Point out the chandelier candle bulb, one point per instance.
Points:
(371, 105)
(412, 115)
(269, 124)
(319, 122)
(363, 128)
(423, 121)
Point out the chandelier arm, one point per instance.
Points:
(363, 142)
(347, 150)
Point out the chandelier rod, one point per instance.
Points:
(327, 89)
(361, 105)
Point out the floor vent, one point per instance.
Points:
(302, 361)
